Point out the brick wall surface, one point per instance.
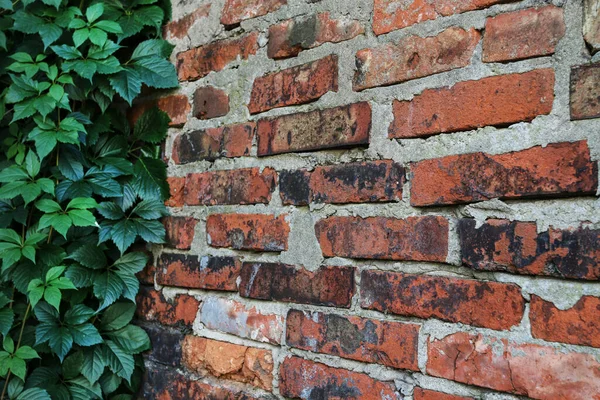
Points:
(379, 199)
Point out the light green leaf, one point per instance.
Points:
(82, 218)
(54, 272)
(60, 222)
(80, 36)
(9, 235)
(82, 203)
(13, 173)
(26, 353)
(53, 296)
(18, 368)
(48, 206)
(109, 26)
(98, 37)
(35, 295)
(94, 12)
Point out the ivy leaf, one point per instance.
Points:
(127, 84)
(118, 360)
(117, 316)
(90, 256)
(82, 218)
(98, 36)
(108, 287)
(123, 234)
(26, 353)
(152, 126)
(153, 47)
(157, 72)
(94, 364)
(85, 335)
(94, 12)
(150, 209)
(132, 339)
(7, 316)
(60, 341)
(55, 3)
(60, 222)
(150, 179)
(34, 394)
(79, 314)
(110, 210)
(82, 203)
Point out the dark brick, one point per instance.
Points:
(327, 286)
(585, 91)
(210, 102)
(516, 247)
(179, 231)
(166, 345)
(486, 304)
(193, 272)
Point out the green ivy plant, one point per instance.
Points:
(79, 185)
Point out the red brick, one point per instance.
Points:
(238, 186)
(187, 271)
(414, 57)
(557, 170)
(197, 63)
(540, 372)
(176, 190)
(236, 11)
(523, 34)
(258, 232)
(327, 286)
(290, 37)
(517, 247)
(591, 24)
(152, 306)
(233, 317)
(486, 304)
(316, 130)
(179, 231)
(499, 101)
(389, 15)
(146, 276)
(424, 394)
(414, 238)
(179, 28)
(210, 102)
(308, 380)
(297, 85)
(210, 144)
(393, 344)
(585, 86)
(162, 383)
(578, 325)
(365, 182)
(177, 107)
(229, 361)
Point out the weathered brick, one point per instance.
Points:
(258, 232)
(193, 272)
(517, 247)
(316, 130)
(414, 57)
(389, 15)
(393, 344)
(557, 170)
(297, 85)
(499, 101)
(177, 107)
(229, 361)
(152, 306)
(579, 324)
(166, 345)
(523, 34)
(210, 144)
(236, 11)
(238, 186)
(540, 372)
(327, 286)
(179, 28)
(585, 86)
(210, 102)
(176, 191)
(146, 276)
(179, 231)
(290, 37)
(375, 181)
(162, 383)
(197, 63)
(425, 394)
(233, 317)
(308, 380)
(591, 24)
(486, 304)
(414, 238)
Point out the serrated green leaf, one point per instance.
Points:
(89, 255)
(26, 353)
(18, 368)
(48, 206)
(132, 339)
(60, 222)
(85, 335)
(94, 12)
(118, 360)
(110, 210)
(94, 364)
(53, 296)
(13, 173)
(117, 316)
(79, 314)
(150, 179)
(80, 36)
(132, 262)
(82, 218)
(82, 203)
(98, 37)
(7, 317)
(157, 72)
(127, 84)
(108, 286)
(34, 394)
(152, 126)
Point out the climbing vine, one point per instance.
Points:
(79, 185)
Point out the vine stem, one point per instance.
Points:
(16, 348)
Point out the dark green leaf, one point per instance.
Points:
(150, 180)
(117, 316)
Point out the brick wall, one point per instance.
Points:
(380, 199)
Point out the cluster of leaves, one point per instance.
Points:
(79, 186)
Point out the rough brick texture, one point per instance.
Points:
(378, 199)
(413, 238)
(240, 186)
(517, 247)
(389, 343)
(309, 380)
(328, 286)
(345, 183)
(258, 232)
(414, 57)
(396, 14)
(577, 325)
(499, 101)
(323, 129)
(229, 361)
(559, 169)
(540, 372)
(486, 304)
(523, 34)
(293, 86)
(193, 272)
